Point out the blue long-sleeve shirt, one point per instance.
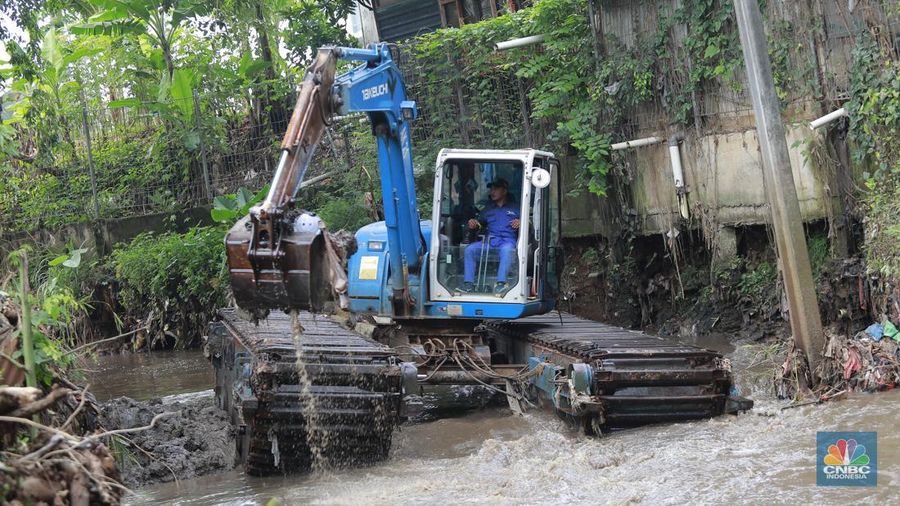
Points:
(498, 220)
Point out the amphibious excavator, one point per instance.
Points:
(466, 297)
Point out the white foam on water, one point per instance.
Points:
(764, 456)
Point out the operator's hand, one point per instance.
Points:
(515, 224)
(473, 224)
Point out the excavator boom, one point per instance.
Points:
(278, 256)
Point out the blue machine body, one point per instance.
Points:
(388, 274)
(369, 270)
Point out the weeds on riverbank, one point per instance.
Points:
(172, 283)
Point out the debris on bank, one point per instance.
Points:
(54, 466)
(866, 362)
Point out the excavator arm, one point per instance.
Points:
(278, 256)
(305, 129)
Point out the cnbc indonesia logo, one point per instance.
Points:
(843, 459)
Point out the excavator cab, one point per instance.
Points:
(495, 237)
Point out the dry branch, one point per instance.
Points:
(133, 429)
(42, 404)
(114, 338)
(77, 409)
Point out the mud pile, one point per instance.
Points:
(196, 440)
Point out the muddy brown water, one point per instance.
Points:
(765, 456)
(143, 376)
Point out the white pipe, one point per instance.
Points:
(524, 41)
(828, 118)
(313, 180)
(646, 141)
(677, 171)
(678, 175)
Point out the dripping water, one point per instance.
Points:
(308, 406)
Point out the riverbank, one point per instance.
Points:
(195, 439)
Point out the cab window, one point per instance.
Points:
(479, 226)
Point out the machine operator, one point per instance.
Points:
(501, 217)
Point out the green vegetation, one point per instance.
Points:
(874, 125)
(819, 253)
(230, 208)
(580, 97)
(583, 89)
(133, 67)
(58, 309)
(172, 282)
(757, 284)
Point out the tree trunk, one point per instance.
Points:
(274, 106)
(167, 56)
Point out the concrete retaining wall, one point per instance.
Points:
(720, 155)
(100, 237)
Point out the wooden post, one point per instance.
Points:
(206, 184)
(25, 323)
(806, 323)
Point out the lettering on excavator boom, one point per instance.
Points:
(375, 91)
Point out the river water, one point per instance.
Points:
(145, 376)
(492, 456)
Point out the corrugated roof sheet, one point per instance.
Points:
(403, 20)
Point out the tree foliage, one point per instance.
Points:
(135, 65)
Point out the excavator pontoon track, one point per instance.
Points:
(633, 378)
(337, 406)
(601, 376)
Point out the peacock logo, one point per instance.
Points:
(846, 452)
(847, 459)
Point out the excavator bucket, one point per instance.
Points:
(293, 275)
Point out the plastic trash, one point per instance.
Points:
(891, 331)
(875, 331)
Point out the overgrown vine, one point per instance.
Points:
(580, 100)
(874, 125)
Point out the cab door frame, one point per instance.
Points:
(436, 291)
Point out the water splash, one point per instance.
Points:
(315, 434)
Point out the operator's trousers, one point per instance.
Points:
(506, 248)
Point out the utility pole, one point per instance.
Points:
(806, 323)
